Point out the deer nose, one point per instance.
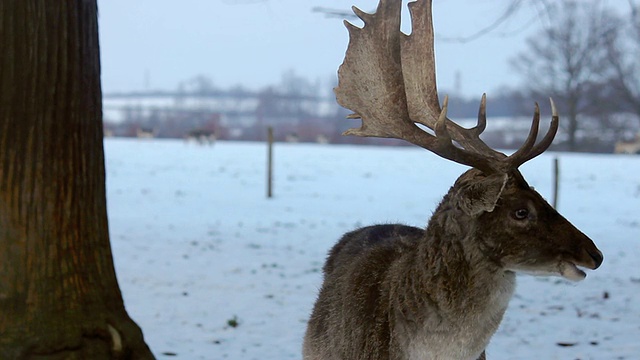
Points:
(597, 257)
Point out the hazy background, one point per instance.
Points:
(237, 67)
(154, 44)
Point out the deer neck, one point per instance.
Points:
(468, 278)
(467, 293)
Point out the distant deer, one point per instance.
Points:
(201, 136)
(145, 132)
(628, 147)
(400, 292)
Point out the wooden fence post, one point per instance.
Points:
(269, 162)
(556, 181)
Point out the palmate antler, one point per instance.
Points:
(388, 79)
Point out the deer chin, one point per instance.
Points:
(570, 271)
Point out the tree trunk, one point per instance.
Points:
(59, 297)
(572, 124)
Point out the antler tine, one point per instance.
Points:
(482, 116)
(470, 138)
(516, 160)
(365, 17)
(548, 137)
(518, 157)
(441, 125)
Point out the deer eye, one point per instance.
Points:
(521, 214)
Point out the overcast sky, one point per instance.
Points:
(155, 44)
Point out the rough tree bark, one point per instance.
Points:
(59, 297)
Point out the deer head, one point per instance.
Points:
(518, 230)
(388, 80)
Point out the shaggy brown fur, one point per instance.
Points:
(400, 292)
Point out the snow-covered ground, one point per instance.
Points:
(212, 269)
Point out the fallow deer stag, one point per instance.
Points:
(400, 292)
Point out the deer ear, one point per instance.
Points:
(481, 195)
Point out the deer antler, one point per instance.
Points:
(388, 79)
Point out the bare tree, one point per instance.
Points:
(568, 59)
(59, 297)
(509, 11)
(623, 55)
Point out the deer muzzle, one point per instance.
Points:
(589, 257)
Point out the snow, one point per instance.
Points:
(212, 269)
